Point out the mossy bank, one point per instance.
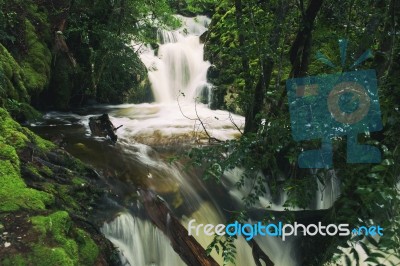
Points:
(46, 197)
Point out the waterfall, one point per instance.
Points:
(178, 66)
(328, 191)
(151, 133)
(140, 243)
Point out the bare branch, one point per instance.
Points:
(202, 124)
(233, 122)
(197, 119)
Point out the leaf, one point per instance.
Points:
(378, 168)
(356, 257)
(364, 247)
(371, 259)
(347, 259)
(388, 162)
(372, 241)
(377, 255)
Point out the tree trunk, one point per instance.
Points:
(248, 87)
(267, 63)
(190, 251)
(300, 51)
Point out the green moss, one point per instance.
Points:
(36, 64)
(63, 192)
(78, 181)
(71, 246)
(21, 112)
(11, 81)
(10, 130)
(45, 256)
(8, 153)
(15, 195)
(58, 241)
(47, 170)
(88, 250)
(58, 225)
(16, 260)
(32, 169)
(42, 144)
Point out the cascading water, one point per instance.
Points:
(178, 70)
(139, 242)
(178, 66)
(178, 74)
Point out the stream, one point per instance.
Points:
(153, 134)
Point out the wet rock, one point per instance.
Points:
(103, 127)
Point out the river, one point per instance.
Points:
(151, 135)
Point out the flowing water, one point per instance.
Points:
(152, 133)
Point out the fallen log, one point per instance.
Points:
(103, 127)
(190, 251)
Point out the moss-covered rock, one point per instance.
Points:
(11, 78)
(36, 63)
(74, 246)
(15, 194)
(25, 61)
(220, 48)
(46, 197)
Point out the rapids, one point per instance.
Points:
(151, 134)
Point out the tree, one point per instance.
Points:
(308, 27)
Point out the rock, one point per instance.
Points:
(102, 126)
(7, 244)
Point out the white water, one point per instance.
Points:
(178, 66)
(140, 243)
(178, 77)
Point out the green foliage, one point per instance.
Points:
(24, 56)
(16, 260)
(223, 50)
(119, 70)
(226, 245)
(101, 34)
(192, 7)
(369, 193)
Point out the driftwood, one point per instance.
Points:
(102, 126)
(190, 251)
